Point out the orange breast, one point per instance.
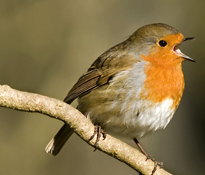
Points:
(164, 79)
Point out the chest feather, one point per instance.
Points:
(163, 82)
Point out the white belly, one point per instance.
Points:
(141, 123)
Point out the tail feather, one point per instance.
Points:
(56, 143)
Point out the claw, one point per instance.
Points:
(156, 163)
(99, 132)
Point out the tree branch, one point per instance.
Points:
(54, 108)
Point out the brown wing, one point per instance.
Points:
(90, 80)
(86, 82)
(101, 71)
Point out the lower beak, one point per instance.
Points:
(179, 53)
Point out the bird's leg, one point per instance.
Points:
(99, 132)
(160, 164)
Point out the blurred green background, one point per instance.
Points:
(46, 45)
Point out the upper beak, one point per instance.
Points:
(178, 51)
(188, 38)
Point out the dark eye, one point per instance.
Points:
(162, 43)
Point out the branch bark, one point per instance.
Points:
(30, 102)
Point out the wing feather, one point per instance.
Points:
(86, 82)
(101, 71)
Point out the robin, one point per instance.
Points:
(133, 89)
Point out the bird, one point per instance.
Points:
(133, 89)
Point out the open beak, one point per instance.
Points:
(179, 53)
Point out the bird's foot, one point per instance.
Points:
(156, 163)
(98, 131)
